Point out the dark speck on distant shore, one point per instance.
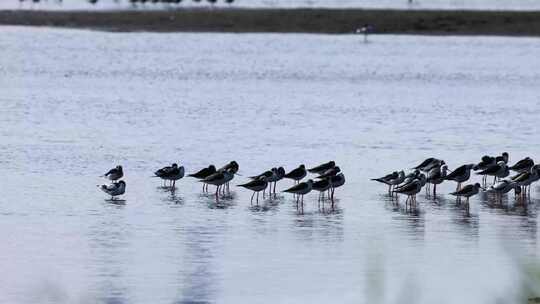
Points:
(330, 21)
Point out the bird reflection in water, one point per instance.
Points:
(226, 201)
(271, 204)
(197, 273)
(174, 198)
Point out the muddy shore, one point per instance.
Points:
(330, 21)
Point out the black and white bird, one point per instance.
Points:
(500, 170)
(114, 189)
(411, 190)
(467, 192)
(523, 165)
(256, 185)
(171, 173)
(429, 164)
(297, 174)
(330, 172)
(436, 176)
(320, 169)
(502, 187)
(504, 157)
(486, 162)
(279, 175)
(115, 173)
(300, 190)
(392, 179)
(410, 177)
(270, 176)
(322, 186)
(218, 179)
(414, 177)
(266, 174)
(525, 179)
(336, 182)
(460, 175)
(204, 173)
(231, 167)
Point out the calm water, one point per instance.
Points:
(75, 103)
(399, 4)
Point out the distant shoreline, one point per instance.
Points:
(325, 21)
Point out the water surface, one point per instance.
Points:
(75, 103)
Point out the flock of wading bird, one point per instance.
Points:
(328, 178)
(434, 172)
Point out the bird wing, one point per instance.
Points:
(424, 163)
(380, 180)
(253, 183)
(464, 190)
(407, 187)
(294, 172)
(321, 184)
(522, 177)
(214, 177)
(200, 173)
(459, 171)
(320, 167)
(298, 187)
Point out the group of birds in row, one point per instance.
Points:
(329, 177)
(433, 172)
(212, 2)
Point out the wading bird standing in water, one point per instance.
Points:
(365, 30)
(336, 182)
(204, 173)
(467, 192)
(219, 179)
(320, 169)
(233, 168)
(256, 185)
(300, 190)
(392, 179)
(460, 175)
(297, 174)
(322, 186)
(170, 173)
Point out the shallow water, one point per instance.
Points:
(75, 103)
(399, 4)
